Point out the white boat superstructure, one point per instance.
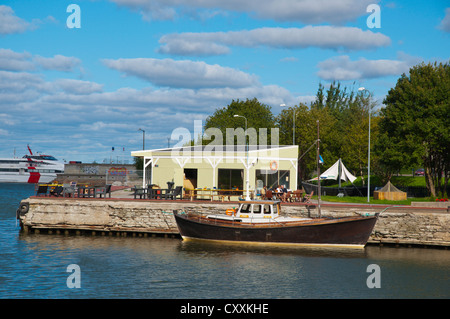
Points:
(30, 169)
(256, 212)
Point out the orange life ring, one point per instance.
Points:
(230, 212)
(273, 165)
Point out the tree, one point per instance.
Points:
(258, 115)
(414, 125)
(344, 125)
(306, 134)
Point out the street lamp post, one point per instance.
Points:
(143, 138)
(247, 195)
(368, 155)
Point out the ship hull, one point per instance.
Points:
(351, 231)
(27, 178)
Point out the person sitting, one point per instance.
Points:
(263, 192)
(283, 194)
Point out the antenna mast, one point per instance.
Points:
(318, 168)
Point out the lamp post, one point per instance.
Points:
(368, 154)
(247, 195)
(143, 138)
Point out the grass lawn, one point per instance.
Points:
(376, 181)
(397, 181)
(363, 200)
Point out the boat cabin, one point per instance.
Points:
(251, 211)
(258, 209)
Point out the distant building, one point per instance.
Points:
(221, 167)
(100, 174)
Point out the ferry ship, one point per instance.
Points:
(33, 168)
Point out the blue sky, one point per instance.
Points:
(161, 64)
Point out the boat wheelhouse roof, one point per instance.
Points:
(265, 202)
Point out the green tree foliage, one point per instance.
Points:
(343, 115)
(306, 133)
(414, 126)
(258, 116)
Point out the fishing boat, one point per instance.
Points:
(32, 168)
(261, 222)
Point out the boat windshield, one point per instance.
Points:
(259, 209)
(245, 208)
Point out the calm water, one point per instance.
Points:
(35, 266)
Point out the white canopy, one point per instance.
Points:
(338, 169)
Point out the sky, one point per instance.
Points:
(76, 81)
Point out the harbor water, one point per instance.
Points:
(42, 266)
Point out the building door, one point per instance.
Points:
(190, 178)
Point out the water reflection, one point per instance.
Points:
(194, 247)
(126, 267)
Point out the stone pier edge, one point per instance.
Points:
(397, 225)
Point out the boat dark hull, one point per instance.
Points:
(353, 231)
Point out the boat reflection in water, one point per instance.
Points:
(260, 222)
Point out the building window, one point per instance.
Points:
(272, 179)
(231, 178)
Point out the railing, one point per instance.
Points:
(221, 194)
(236, 221)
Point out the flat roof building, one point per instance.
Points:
(221, 166)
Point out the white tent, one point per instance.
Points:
(337, 170)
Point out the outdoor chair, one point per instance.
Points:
(269, 195)
(139, 192)
(174, 193)
(297, 195)
(103, 191)
(57, 191)
(42, 190)
(307, 198)
(289, 197)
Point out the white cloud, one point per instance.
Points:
(324, 37)
(78, 86)
(10, 23)
(14, 61)
(85, 121)
(182, 74)
(19, 82)
(305, 11)
(445, 23)
(342, 68)
(58, 63)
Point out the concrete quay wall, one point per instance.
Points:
(396, 225)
